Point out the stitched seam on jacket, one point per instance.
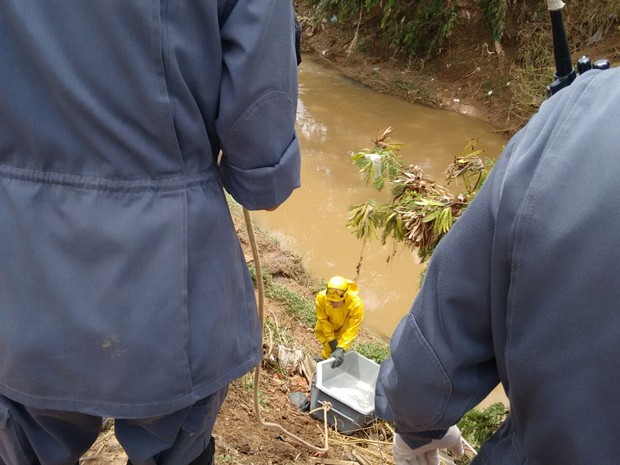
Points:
(167, 184)
(432, 357)
(183, 201)
(528, 205)
(523, 224)
(269, 97)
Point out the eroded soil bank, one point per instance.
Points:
(471, 75)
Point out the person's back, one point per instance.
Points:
(123, 288)
(562, 327)
(522, 290)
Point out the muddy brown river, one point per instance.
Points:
(337, 117)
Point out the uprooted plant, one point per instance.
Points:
(419, 211)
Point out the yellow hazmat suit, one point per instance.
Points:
(340, 321)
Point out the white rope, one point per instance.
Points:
(555, 5)
(261, 305)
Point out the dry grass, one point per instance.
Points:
(586, 23)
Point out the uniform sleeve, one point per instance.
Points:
(258, 101)
(442, 360)
(352, 325)
(448, 353)
(323, 329)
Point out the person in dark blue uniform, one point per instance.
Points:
(124, 292)
(523, 291)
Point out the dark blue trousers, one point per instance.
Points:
(30, 436)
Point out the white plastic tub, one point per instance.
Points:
(350, 389)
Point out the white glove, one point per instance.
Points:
(427, 454)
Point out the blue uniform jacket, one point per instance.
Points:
(123, 288)
(523, 290)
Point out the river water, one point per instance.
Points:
(337, 117)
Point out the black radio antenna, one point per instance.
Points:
(565, 73)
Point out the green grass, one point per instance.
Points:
(375, 351)
(278, 334)
(479, 425)
(248, 380)
(296, 305)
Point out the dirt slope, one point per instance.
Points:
(470, 76)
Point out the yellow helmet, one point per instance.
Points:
(336, 290)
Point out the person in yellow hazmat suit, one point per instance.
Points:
(339, 314)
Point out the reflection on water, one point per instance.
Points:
(335, 118)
